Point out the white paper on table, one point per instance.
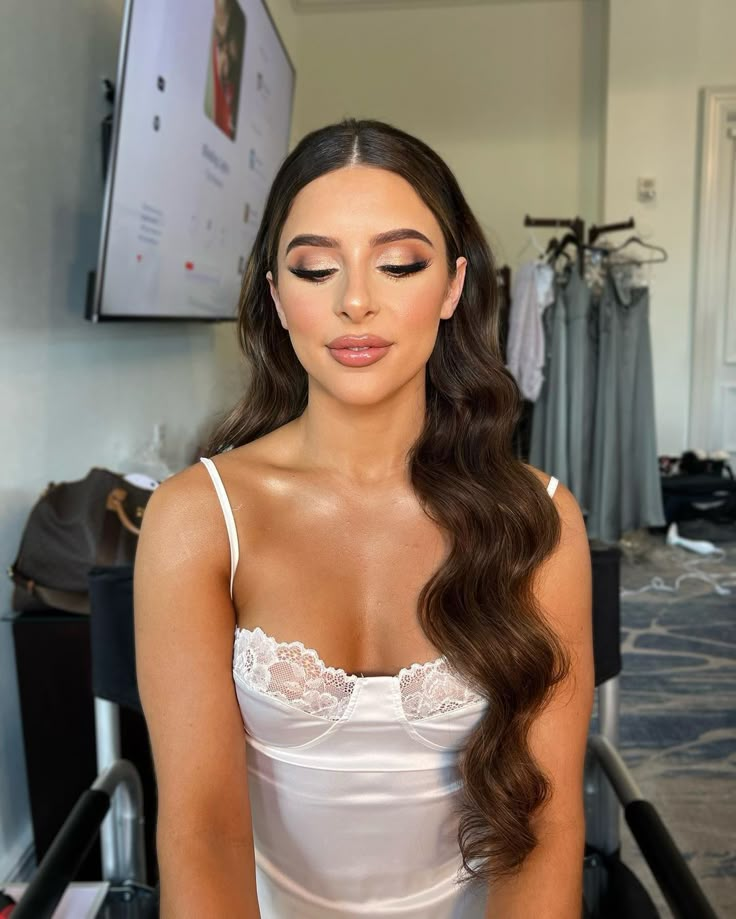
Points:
(80, 901)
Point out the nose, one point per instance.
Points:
(355, 299)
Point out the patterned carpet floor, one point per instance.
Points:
(678, 704)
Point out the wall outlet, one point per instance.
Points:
(646, 189)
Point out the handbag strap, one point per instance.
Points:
(115, 517)
(115, 502)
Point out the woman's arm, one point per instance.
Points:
(549, 884)
(184, 630)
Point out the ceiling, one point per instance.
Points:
(321, 6)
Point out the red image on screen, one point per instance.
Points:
(225, 65)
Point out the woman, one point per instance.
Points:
(412, 660)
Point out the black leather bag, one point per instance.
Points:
(700, 496)
(73, 527)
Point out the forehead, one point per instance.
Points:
(359, 199)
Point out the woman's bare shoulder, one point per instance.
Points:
(186, 495)
(185, 508)
(183, 525)
(192, 488)
(564, 500)
(543, 477)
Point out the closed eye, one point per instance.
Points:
(318, 275)
(401, 271)
(396, 271)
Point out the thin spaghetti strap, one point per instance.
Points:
(227, 511)
(552, 486)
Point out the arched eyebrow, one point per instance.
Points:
(327, 242)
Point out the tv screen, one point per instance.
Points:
(202, 117)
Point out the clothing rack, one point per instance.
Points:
(590, 384)
(577, 234)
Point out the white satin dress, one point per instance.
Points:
(353, 780)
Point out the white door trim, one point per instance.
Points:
(708, 285)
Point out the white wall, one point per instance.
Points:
(73, 394)
(512, 95)
(661, 53)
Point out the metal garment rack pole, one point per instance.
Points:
(576, 224)
(594, 232)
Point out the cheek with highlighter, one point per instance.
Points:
(416, 316)
(308, 313)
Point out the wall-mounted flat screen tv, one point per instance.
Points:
(202, 117)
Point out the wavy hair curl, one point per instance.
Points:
(479, 607)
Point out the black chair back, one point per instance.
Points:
(112, 635)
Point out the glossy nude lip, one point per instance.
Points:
(360, 358)
(358, 341)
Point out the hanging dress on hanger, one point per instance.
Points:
(626, 491)
(581, 343)
(532, 292)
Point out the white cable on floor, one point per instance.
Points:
(657, 583)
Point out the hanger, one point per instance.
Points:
(532, 241)
(639, 241)
(556, 247)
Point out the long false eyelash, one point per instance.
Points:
(401, 271)
(320, 274)
(395, 271)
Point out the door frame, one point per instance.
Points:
(704, 400)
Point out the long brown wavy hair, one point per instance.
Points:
(479, 607)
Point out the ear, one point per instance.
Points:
(275, 298)
(455, 289)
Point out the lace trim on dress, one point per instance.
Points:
(433, 689)
(298, 676)
(292, 673)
